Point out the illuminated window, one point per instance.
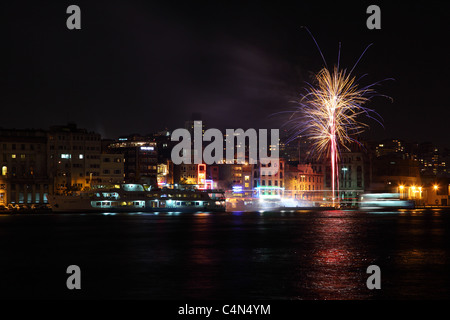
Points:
(66, 156)
(4, 170)
(13, 156)
(80, 156)
(22, 156)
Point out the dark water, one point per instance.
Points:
(292, 255)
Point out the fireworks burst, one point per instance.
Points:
(328, 114)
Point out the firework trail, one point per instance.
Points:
(328, 113)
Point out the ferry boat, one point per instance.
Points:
(384, 201)
(270, 204)
(135, 198)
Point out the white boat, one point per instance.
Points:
(254, 204)
(134, 197)
(250, 205)
(384, 201)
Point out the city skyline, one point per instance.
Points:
(38, 164)
(235, 151)
(118, 76)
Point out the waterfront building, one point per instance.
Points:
(304, 182)
(230, 175)
(397, 175)
(140, 156)
(213, 172)
(73, 158)
(186, 173)
(111, 169)
(354, 177)
(437, 192)
(165, 173)
(269, 179)
(23, 161)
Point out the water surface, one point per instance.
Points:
(286, 256)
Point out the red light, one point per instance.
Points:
(201, 176)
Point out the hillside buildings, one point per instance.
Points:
(35, 163)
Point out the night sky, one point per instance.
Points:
(137, 67)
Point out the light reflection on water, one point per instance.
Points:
(330, 274)
(288, 255)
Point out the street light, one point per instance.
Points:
(435, 187)
(401, 188)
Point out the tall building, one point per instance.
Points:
(111, 169)
(140, 156)
(432, 160)
(164, 145)
(73, 158)
(354, 177)
(23, 162)
(196, 119)
(393, 146)
(297, 150)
